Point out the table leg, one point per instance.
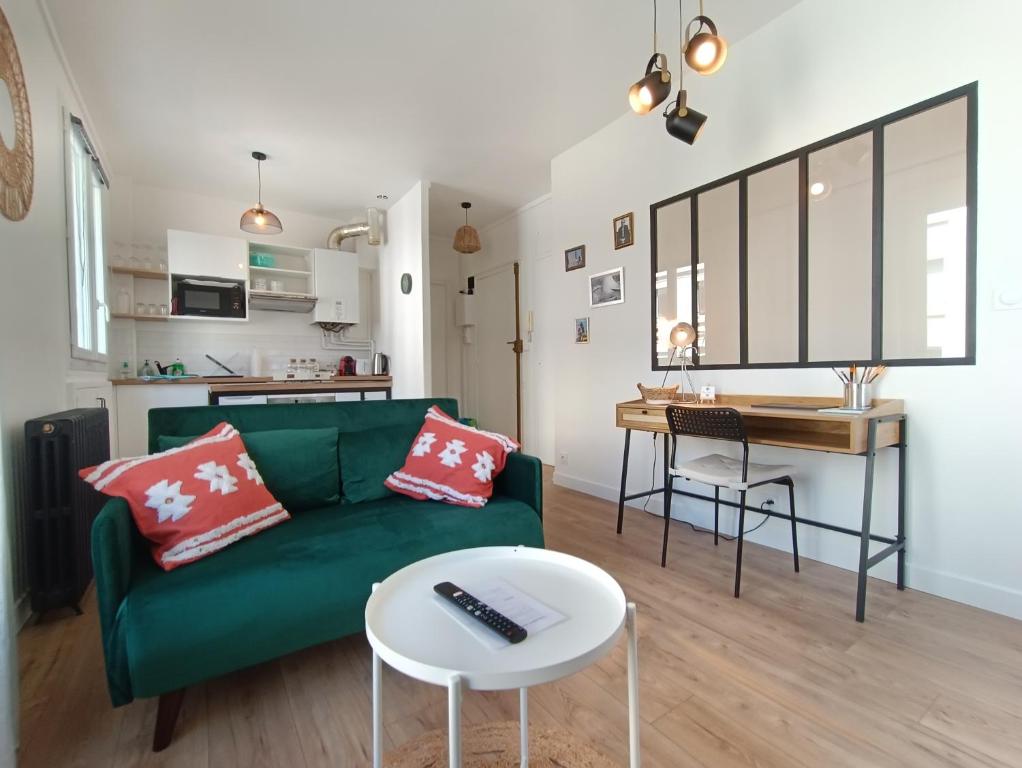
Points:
(624, 481)
(523, 725)
(902, 446)
(634, 757)
(377, 707)
(867, 514)
(454, 720)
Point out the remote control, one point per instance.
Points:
(480, 611)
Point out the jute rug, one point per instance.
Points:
(495, 745)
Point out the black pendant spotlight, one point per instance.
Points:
(682, 122)
(654, 87)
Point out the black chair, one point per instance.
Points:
(722, 471)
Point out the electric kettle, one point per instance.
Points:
(381, 364)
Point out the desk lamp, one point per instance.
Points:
(683, 337)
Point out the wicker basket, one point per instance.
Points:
(658, 395)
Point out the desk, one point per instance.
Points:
(885, 425)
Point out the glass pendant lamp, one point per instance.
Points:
(257, 219)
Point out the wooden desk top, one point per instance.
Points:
(786, 427)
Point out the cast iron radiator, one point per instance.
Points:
(60, 507)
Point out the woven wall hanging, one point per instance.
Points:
(16, 160)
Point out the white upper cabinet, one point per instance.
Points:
(337, 288)
(191, 253)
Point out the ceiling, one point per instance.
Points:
(354, 99)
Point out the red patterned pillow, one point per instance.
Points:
(452, 462)
(193, 500)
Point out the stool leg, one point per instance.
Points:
(794, 535)
(716, 512)
(668, 497)
(741, 538)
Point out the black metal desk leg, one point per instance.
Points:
(867, 513)
(624, 481)
(902, 445)
(668, 493)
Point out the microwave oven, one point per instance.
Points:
(208, 297)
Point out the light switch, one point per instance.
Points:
(1009, 296)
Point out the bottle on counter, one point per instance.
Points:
(177, 368)
(147, 369)
(125, 372)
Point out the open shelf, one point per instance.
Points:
(279, 271)
(148, 274)
(120, 316)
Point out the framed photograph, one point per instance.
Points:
(575, 258)
(624, 230)
(581, 330)
(606, 288)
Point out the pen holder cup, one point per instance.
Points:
(858, 394)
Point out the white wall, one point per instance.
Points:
(404, 319)
(525, 237)
(805, 76)
(34, 328)
(445, 272)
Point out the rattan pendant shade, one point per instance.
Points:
(466, 239)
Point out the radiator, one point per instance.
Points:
(60, 507)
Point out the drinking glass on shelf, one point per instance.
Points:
(152, 309)
(164, 309)
(139, 308)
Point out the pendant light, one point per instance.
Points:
(655, 86)
(683, 122)
(258, 220)
(466, 239)
(705, 51)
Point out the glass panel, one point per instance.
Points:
(82, 309)
(925, 234)
(98, 262)
(840, 250)
(719, 331)
(673, 275)
(773, 264)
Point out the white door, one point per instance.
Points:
(539, 359)
(438, 347)
(495, 360)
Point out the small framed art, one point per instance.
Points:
(575, 258)
(624, 230)
(582, 330)
(606, 288)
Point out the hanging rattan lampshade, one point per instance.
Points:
(466, 239)
(257, 219)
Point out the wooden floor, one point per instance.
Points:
(782, 677)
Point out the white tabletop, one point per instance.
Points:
(416, 636)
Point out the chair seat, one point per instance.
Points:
(726, 472)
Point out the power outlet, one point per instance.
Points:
(562, 458)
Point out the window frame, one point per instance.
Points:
(970, 93)
(82, 215)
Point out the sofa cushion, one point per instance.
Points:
(293, 586)
(192, 501)
(299, 466)
(369, 456)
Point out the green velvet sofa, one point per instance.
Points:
(300, 583)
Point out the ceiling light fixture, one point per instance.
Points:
(705, 51)
(683, 122)
(466, 239)
(655, 86)
(258, 220)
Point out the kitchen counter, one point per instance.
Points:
(300, 386)
(196, 380)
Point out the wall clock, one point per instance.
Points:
(16, 161)
(406, 283)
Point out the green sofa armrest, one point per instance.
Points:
(522, 479)
(118, 552)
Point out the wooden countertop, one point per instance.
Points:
(336, 384)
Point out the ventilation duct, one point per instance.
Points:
(370, 227)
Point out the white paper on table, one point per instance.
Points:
(521, 608)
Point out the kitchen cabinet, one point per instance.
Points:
(134, 403)
(337, 287)
(192, 253)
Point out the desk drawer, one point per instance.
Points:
(652, 419)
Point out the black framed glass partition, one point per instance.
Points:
(858, 248)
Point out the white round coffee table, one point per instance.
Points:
(410, 631)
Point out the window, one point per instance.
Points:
(86, 193)
(860, 248)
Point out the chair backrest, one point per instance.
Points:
(718, 423)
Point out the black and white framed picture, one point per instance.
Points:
(575, 258)
(581, 330)
(624, 230)
(606, 288)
